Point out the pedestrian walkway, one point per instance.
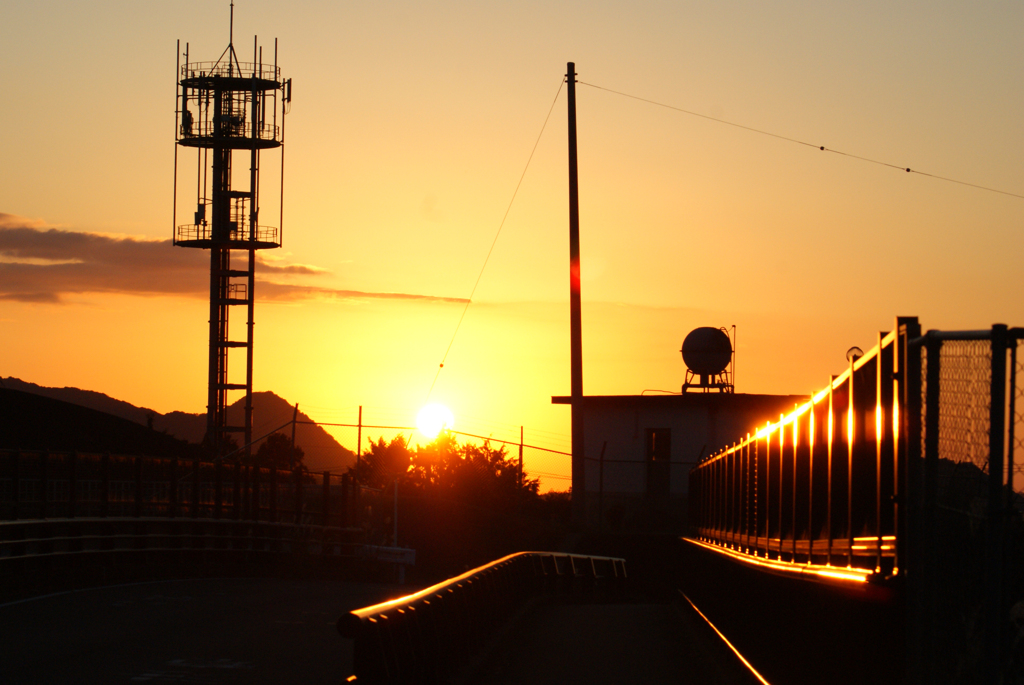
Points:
(613, 644)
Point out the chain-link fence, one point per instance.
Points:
(968, 613)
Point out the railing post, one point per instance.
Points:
(255, 511)
(796, 444)
(811, 427)
(73, 485)
(105, 485)
(879, 441)
(851, 428)
(273, 494)
(138, 487)
(218, 489)
(173, 494)
(781, 481)
(236, 501)
(831, 429)
(196, 484)
(346, 483)
(15, 483)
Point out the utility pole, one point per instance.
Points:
(520, 456)
(575, 317)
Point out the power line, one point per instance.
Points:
(822, 148)
(495, 241)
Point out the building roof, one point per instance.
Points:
(692, 399)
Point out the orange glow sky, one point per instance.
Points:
(410, 127)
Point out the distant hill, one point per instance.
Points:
(36, 422)
(322, 451)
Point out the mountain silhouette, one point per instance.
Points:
(270, 412)
(36, 422)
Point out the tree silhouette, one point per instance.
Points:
(276, 452)
(383, 462)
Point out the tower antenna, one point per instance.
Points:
(224, 116)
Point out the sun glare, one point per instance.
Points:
(434, 418)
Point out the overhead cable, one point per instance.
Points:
(802, 142)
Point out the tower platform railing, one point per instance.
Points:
(243, 236)
(205, 132)
(232, 70)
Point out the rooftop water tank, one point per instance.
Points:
(707, 351)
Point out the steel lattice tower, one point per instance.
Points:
(229, 111)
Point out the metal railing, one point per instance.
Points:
(428, 636)
(823, 485)
(234, 69)
(69, 485)
(902, 467)
(193, 232)
(237, 127)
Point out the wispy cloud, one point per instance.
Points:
(45, 265)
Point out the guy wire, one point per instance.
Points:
(495, 241)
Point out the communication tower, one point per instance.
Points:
(229, 112)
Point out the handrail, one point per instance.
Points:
(429, 635)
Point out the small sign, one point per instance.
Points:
(392, 555)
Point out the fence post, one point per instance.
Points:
(273, 494)
(346, 483)
(218, 489)
(327, 498)
(138, 487)
(15, 483)
(928, 557)
(105, 485)
(72, 485)
(255, 511)
(173, 505)
(909, 529)
(196, 483)
(44, 482)
(994, 524)
(236, 501)
(297, 473)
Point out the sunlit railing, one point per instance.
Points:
(823, 484)
(429, 636)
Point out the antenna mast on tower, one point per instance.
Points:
(229, 112)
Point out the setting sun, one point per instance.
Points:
(434, 418)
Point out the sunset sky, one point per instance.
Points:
(410, 128)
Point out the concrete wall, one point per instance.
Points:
(617, 487)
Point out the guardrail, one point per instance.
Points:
(61, 537)
(41, 485)
(824, 485)
(428, 636)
